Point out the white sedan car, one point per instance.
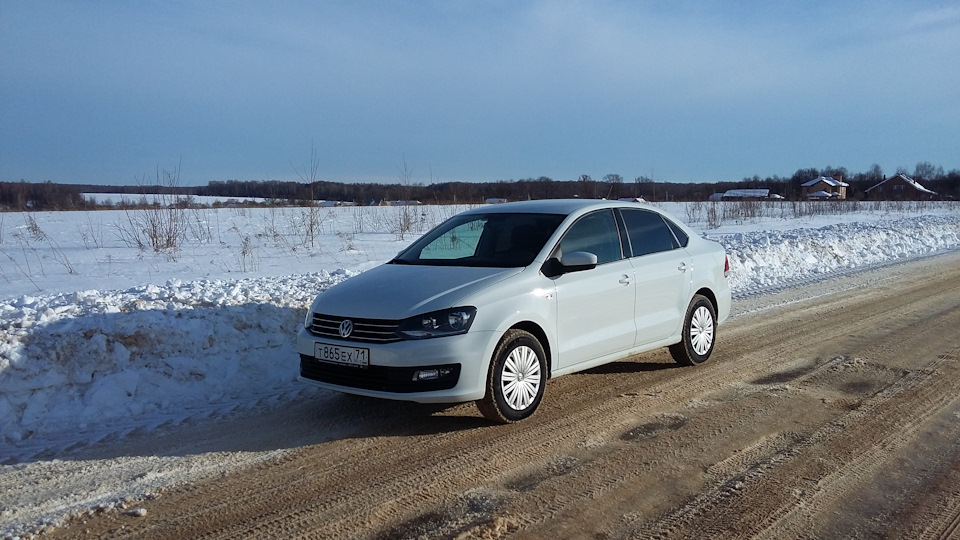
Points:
(496, 300)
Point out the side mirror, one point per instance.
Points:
(576, 261)
(579, 260)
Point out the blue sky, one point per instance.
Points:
(108, 92)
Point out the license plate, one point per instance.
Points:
(346, 356)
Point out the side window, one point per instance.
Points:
(648, 232)
(678, 233)
(595, 233)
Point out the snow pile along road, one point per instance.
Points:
(75, 368)
(764, 259)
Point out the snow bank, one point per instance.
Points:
(763, 259)
(78, 367)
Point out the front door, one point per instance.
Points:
(595, 307)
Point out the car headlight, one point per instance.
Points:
(447, 322)
(308, 319)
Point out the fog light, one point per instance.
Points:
(426, 375)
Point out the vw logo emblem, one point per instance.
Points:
(346, 328)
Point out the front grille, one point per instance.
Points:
(380, 378)
(364, 330)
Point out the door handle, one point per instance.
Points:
(624, 279)
(683, 267)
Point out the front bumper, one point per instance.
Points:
(400, 380)
(461, 363)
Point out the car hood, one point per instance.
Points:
(396, 291)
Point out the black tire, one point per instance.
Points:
(516, 379)
(699, 333)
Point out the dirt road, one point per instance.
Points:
(821, 414)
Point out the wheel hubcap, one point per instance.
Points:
(520, 379)
(701, 330)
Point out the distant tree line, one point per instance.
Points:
(50, 196)
(45, 196)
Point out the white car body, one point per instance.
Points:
(582, 318)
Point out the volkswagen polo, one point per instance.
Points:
(496, 300)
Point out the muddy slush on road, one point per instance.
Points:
(829, 410)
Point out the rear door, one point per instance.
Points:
(664, 272)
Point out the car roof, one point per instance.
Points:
(555, 206)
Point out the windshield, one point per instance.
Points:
(495, 240)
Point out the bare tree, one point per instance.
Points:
(613, 179)
(161, 225)
(405, 214)
(646, 188)
(587, 186)
(926, 172)
(614, 182)
(311, 215)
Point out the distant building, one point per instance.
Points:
(745, 195)
(495, 201)
(825, 188)
(822, 195)
(900, 187)
(329, 204)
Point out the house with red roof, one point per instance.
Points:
(899, 187)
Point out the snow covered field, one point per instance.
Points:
(101, 338)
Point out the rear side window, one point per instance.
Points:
(648, 232)
(678, 233)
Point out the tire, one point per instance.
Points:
(516, 379)
(699, 333)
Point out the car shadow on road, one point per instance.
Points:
(625, 367)
(378, 417)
